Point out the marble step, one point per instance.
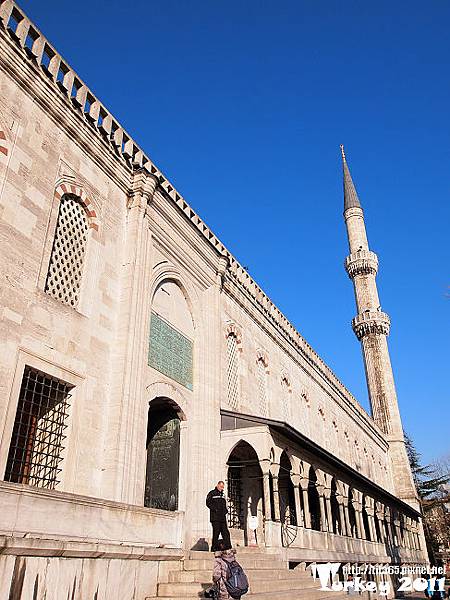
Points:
(247, 563)
(281, 595)
(194, 589)
(205, 575)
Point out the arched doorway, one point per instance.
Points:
(351, 514)
(163, 455)
(313, 500)
(365, 520)
(286, 491)
(335, 508)
(245, 493)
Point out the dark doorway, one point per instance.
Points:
(335, 508)
(286, 492)
(163, 456)
(313, 498)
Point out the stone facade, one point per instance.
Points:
(168, 368)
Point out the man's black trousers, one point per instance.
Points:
(220, 527)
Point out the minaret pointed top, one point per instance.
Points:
(351, 199)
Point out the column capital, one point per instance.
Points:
(295, 478)
(304, 483)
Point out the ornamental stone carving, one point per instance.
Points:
(371, 321)
(362, 262)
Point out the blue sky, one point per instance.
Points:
(243, 105)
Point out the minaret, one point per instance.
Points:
(371, 326)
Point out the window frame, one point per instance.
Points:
(70, 452)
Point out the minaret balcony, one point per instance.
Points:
(371, 321)
(362, 262)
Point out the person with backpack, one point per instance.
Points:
(215, 501)
(228, 575)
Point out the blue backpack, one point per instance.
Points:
(236, 581)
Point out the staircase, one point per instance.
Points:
(269, 576)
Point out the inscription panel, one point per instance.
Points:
(170, 352)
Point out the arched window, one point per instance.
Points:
(232, 370)
(261, 366)
(68, 254)
(286, 394)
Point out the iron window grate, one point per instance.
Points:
(38, 435)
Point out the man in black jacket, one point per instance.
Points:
(215, 501)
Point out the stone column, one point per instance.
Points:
(298, 505)
(379, 507)
(398, 536)
(329, 513)
(369, 505)
(304, 482)
(274, 469)
(266, 488)
(323, 518)
(358, 517)
(342, 489)
(342, 524)
(347, 516)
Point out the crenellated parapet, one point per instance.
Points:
(371, 321)
(362, 262)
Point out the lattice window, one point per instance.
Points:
(286, 391)
(68, 254)
(38, 436)
(232, 371)
(170, 351)
(262, 386)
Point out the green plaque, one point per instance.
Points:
(170, 352)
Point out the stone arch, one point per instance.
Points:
(175, 398)
(286, 380)
(163, 446)
(262, 356)
(77, 190)
(233, 329)
(244, 490)
(165, 271)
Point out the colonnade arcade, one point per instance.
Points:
(287, 489)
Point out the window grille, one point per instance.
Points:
(68, 253)
(232, 371)
(37, 440)
(235, 516)
(262, 387)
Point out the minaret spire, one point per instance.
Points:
(371, 327)
(350, 195)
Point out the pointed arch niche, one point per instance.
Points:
(171, 340)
